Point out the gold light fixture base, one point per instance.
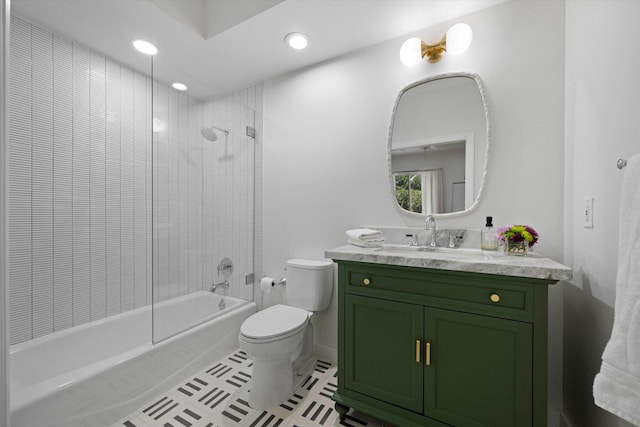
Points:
(434, 52)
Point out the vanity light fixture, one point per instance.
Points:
(297, 41)
(145, 47)
(456, 40)
(179, 86)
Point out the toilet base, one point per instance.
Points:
(274, 381)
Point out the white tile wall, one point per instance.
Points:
(82, 166)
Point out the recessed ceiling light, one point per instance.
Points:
(145, 47)
(179, 86)
(297, 41)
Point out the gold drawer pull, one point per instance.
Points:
(427, 357)
(494, 298)
(418, 351)
(366, 281)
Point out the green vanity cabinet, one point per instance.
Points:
(480, 370)
(429, 347)
(381, 333)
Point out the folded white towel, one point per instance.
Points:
(367, 243)
(617, 387)
(363, 234)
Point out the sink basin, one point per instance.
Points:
(435, 250)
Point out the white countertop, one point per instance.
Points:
(467, 260)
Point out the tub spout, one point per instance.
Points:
(221, 285)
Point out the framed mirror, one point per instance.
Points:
(439, 145)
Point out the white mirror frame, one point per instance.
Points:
(476, 201)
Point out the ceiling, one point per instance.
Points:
(217, 46)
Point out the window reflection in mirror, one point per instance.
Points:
(438, 145)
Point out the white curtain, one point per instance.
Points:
(432, 200)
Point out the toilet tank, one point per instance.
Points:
(309, 283)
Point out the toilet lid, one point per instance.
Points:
(274, 321)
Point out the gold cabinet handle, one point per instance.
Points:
(418, 351)
(494, 298)
(366, 281)
(427, 357)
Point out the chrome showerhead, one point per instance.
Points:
(209, 133)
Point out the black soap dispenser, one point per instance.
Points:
(488, 238)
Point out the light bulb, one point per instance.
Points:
(145, 47)
(179, 86)
(459, 38)
(410, 52)
(297, 41)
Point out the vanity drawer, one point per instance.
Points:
(472, 291)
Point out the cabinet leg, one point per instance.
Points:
(342, 410)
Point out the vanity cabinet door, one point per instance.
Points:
(383, 350)
(480, 370)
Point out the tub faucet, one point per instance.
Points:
(221, 285)
(430, 224)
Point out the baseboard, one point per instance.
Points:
(326, 353)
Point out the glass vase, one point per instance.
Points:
(516, 248)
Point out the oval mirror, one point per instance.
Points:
(439, 145)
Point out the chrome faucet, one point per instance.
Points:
(430, 224)
(221, 285)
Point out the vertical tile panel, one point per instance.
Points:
(126, 191)
(161, 183)
(236, 187)
(229, 177)
(194, 162)
(97, 81)
(112, 190)
(184, 165)
(19, 177)
(139, 184)
(62, 183)
(148, 132)
(199, 143)
(42, 179)
(174, 193)
(81, 187)
(207, 170)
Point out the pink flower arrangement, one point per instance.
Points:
(517, 234)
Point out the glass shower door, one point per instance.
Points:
(203, 205)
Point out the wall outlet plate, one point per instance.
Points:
(588, 213)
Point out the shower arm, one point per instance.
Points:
(225, 131)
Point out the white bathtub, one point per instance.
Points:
(95, 374)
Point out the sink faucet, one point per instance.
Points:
(430, 224)
(222, 285)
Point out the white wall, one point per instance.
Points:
(326, 138)
(601, 119)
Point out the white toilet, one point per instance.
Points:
(279, 339)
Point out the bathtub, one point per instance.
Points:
(98, 373)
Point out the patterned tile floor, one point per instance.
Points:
(217, 397)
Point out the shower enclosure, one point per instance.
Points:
(117, 199)
(204, 180)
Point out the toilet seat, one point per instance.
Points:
(274, 323)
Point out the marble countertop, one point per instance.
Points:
(473, 261)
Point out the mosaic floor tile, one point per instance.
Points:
(218, 396)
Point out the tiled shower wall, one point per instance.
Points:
(206, 201)
(81, 172)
